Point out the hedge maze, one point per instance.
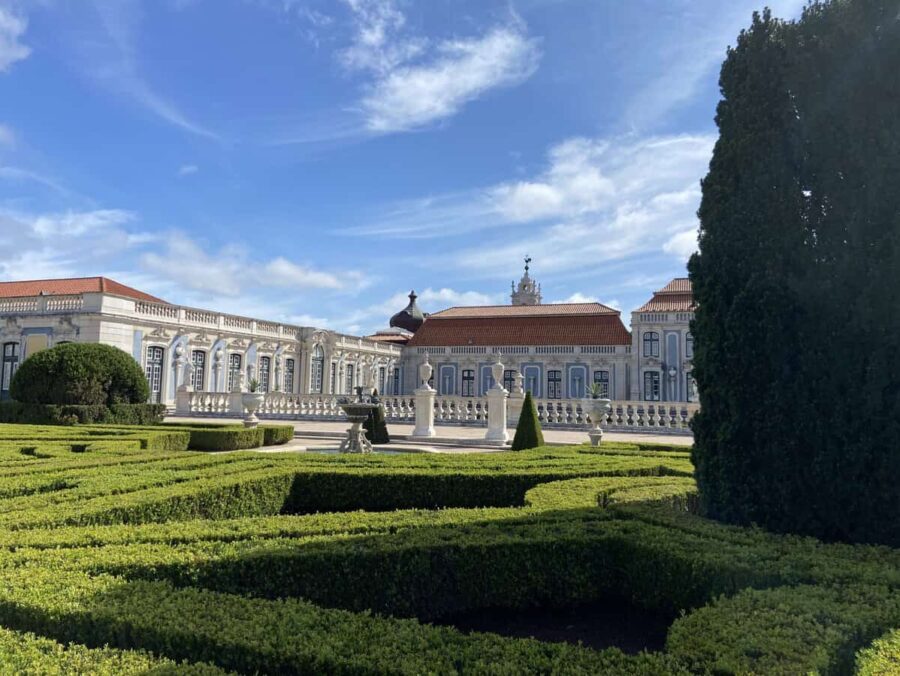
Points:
(132, 555)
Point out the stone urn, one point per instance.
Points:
(597, 409)
(251, 402)
(357, 413)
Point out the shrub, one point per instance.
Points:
(799, 225)
(86, 374)
(528, 431)
(882, 658)
(275, 435)
(53, 414)
(227, 438)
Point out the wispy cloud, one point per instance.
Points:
(597, 200)
(12, 28)
(7, 136)
(188, 169)
(113, 62)
(411, 81)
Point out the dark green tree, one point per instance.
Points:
(796, 278)
(528, 430)
(80, 373)
(376, 425)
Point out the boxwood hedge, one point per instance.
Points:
(267, 563)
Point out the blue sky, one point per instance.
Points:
(312, 160)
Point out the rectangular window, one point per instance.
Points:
(602, 379)
(382, 380)
(651, 386)
(689, 346)
(468, 383)
(397, 383)
(349, 374)
(509, 379)
(651, 344)
(234, 370)
(289, 375)
(554, 384)
(265, 364)
(154, 372)
(198, 361)
(333, 377)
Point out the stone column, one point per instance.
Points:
(497, 395)
(516, 401)
(424, 396)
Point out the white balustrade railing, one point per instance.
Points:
(451, 410)
(671, 415)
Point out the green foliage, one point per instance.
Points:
(86, 374)
(53, 414)
(882, 658)
(229, 438)
(236, 560)
(800, 225)
(528, 430)
(376, 427)
(275, 435)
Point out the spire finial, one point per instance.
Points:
(527, 262)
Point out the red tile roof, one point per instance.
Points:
(676, 296)
(548, 310)
(395, 339)
(65, 287)
(584, 329)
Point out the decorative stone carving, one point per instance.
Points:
(425, 371)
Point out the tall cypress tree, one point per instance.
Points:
(795, 275)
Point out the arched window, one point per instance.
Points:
(689, 346)
(265, 366)
(234, 368)
(198, 361)
(289, 366)
(554, 384)
(651, 344)
(317, 367)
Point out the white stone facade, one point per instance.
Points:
(204, 350)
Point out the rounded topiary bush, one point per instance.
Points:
(80, 373)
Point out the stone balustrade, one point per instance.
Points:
(672, 417)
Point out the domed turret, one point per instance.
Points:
(410, 318)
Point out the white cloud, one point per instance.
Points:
(413, 96)
(12, 27)
(682, 244)
(188, 169)
(417, 81)
(79, 223)
(281, 272)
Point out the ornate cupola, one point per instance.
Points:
(528, 292)
(410, 318)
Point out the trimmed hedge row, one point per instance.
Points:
(67, 414)
(285, 636)
(30, 655)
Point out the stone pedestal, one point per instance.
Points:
(497, 432)
(424, 412)
(515, 402)
(183, 400)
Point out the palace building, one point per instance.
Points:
(555, 351)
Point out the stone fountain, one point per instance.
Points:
(357, 412)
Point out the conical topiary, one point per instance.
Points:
(528, 431)
(376, 426)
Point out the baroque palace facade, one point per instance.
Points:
(555, 350)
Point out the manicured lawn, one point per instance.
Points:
(149, 559)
